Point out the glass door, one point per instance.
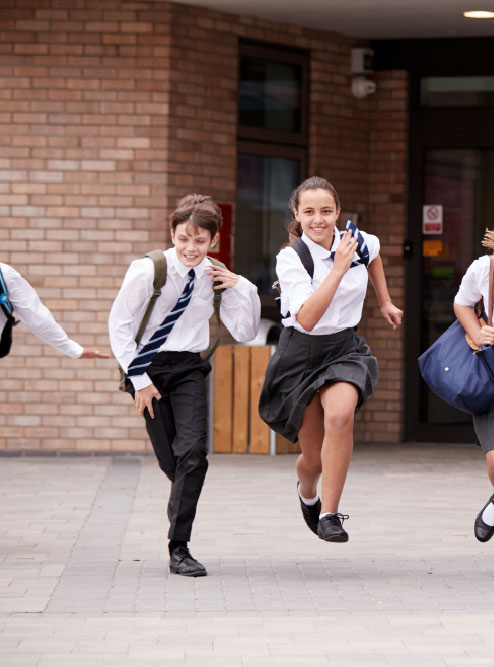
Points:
(452, 205)
(457, 192)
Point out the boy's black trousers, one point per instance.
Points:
(178, 432)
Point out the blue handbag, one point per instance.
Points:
(459, 372)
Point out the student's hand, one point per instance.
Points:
(392, 315)
(93, 354)
(486, 336)
(345, 251)
(144, 399)
(222, 277)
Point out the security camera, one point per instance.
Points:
(362, 87)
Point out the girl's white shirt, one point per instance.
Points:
(35, 315)
(240, 310)
(475, 284)
(345, 310)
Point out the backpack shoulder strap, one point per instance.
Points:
(160, 267)
(5, 304)
(303, 252)
(159, 260)
(216, 305)
(216, 262)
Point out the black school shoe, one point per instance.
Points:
(481, 530)
(310, 512)
(330, 529)
(181, 562)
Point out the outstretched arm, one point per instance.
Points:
(391, 313)
(39, 319)
(93, 354)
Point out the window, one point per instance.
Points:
(457, 91)
(272, 150)
(270, 95)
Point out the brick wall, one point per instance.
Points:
(381, 419)
(84, 162)
(110, 111)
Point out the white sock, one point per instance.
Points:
(307, 501)
(488, 515)
(323, 514)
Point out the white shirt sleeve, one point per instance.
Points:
(35, 315)
(295, 283)
(475, 279)
(126, 315)
(373, 245)
(240, 310)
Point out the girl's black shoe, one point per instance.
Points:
(310, 512)
(330, 529)
(481, 530)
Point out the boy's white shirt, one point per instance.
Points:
(34, 314)
(240, 310)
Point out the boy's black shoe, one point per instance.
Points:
(330, 529)
(310, 512)
(182, 562)
(481, 530)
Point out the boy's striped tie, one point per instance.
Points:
(362, 250)
(143, 360)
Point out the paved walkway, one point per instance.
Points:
(84, 575)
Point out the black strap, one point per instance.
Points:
(302, 250)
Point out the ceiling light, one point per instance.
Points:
(478, 14)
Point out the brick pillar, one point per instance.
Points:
(382, 418)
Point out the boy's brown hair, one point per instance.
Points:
(198, 211)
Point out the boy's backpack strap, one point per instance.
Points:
(160, 268)
(302, 250)
(216, 306)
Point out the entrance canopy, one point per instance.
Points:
(368, 19)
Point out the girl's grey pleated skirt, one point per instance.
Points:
(302, 365)
(483, 425)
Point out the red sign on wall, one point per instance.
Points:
(432, 219)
